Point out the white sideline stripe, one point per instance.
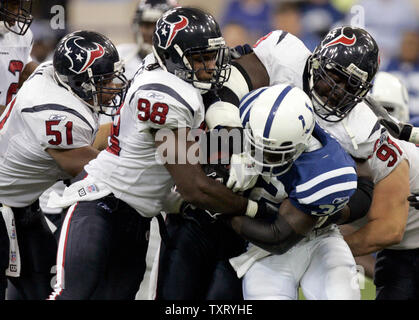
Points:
(327, 191)
(59, 285)
(330, 174)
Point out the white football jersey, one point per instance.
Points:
(411, 153)
(128, 52)
(43, 115)
(156, 99)
(284, 57)
(15, 53)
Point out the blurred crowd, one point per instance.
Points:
(393, 23)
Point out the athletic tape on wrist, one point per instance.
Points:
(252, 209)
(414, 135)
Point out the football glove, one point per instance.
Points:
(239, 51)
(414, 200)
(243, 176)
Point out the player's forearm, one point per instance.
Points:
(73, 161)
(101, 140)
(213, 196)
(373, 237)
(276, 236)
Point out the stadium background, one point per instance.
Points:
(393, 23)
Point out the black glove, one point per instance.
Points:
(217, 172)
(239, 51)
(399, 130)
(414, 200)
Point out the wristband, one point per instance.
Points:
(405, 132)
(252, 208)
(414, 135)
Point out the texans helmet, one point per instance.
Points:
(15, 16)
(86, 63)
(185, 32)
(341, 69)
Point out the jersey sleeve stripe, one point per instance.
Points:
(57, 107)
(162, 88)
(282, 36)
(328, 191)
(376, 127)
(325, 176)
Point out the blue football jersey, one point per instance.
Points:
(320, 182)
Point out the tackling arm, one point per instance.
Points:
(73, 160)
(247, 73)
(387, 216)
(191, 181)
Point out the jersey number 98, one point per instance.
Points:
(156, 113)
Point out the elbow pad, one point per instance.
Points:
(360, 202)
(225, 111)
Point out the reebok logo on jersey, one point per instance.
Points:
(82, 56)
(59, 117)
(167, 31)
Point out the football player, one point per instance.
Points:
(337, 76)
(395, 274)
(46, 133)
(289, 162)
(143, 25)
(390, 92)
(127, 183)
(16, 44)
(15, 64)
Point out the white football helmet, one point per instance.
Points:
(392, 94)
(278, 127)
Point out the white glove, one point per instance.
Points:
(173, 202)
(243, 176)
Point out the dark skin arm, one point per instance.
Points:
(192, 183)
(26, 72)
(255, 70)
(73, 161)
(277, 236)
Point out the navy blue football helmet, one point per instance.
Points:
(185, 32)
(86, 63)
(341, 69)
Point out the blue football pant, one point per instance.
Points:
(102, 249)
